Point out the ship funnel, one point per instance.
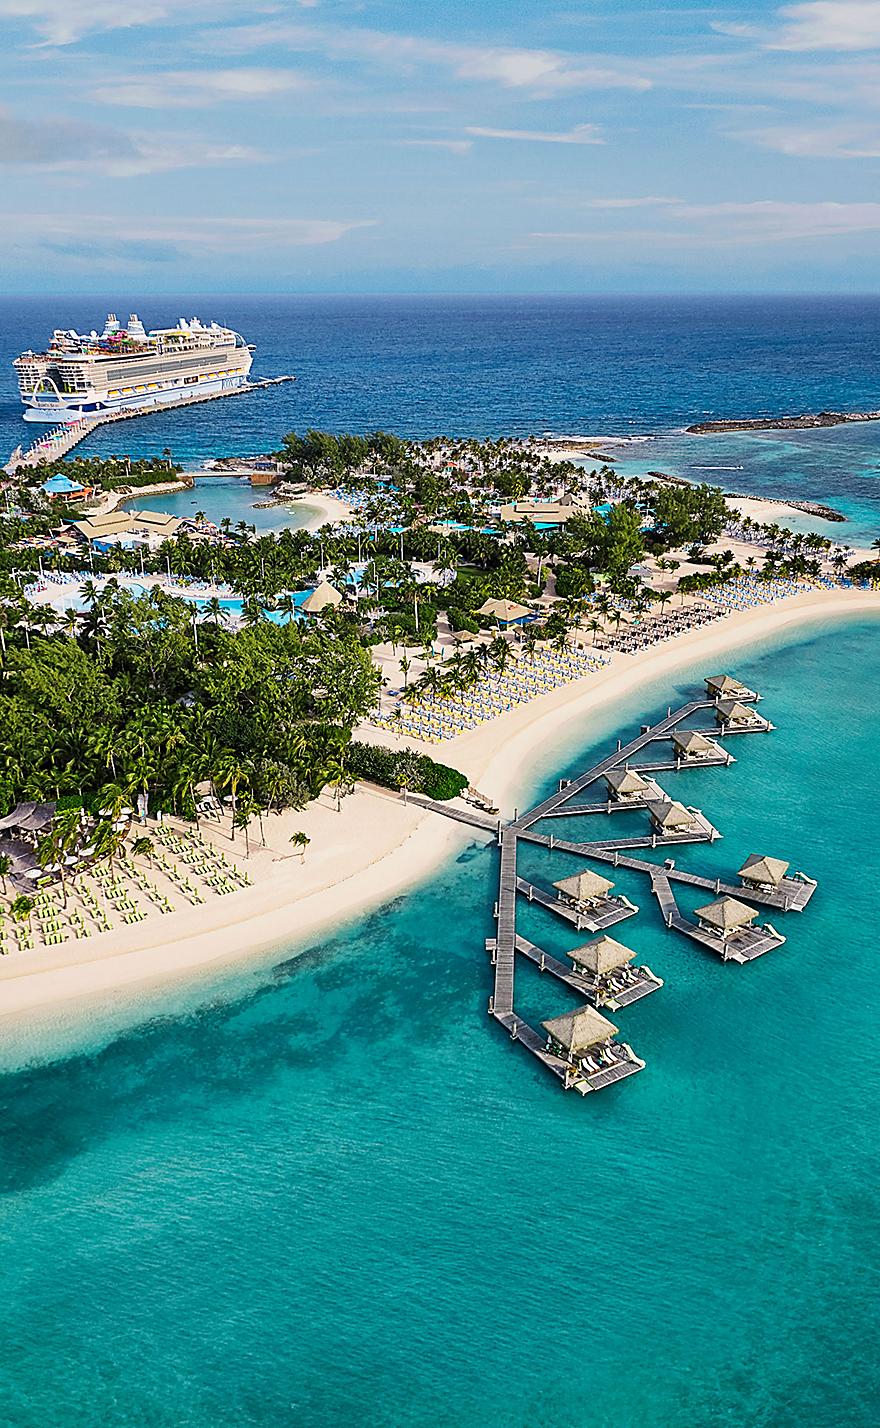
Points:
(111, 326)
(135, 326)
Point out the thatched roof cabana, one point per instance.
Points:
(763, 872)
(602, 955)
(626, 783)
(720, 686)
(692, 745)
(579, 1030)
(671, 817)
(323, 597)
(584, 887)
(726, 914)
(731, 711)
(28, 818)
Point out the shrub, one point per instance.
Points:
(461, 620)
(392, 768)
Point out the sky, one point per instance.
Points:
(416, 146)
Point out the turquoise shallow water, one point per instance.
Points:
(335, 1194)
(227, 496)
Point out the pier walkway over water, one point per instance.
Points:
(55, 443)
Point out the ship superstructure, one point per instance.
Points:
(126, 368)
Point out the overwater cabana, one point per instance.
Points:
(731, 713)
(692, 747)
(670, 817)
(584, 890)
(628, 786)
(606, 965)
(726, 686)
(725, 916)
(586, 1040)
(762, 872)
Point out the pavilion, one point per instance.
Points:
(762, 872)
(693, 747)
(669, 816)
(506, 613)
(725, 917)
(578, 1032)
(324, 597)
(743, 716)
(725, 686)
(625, 785)
(584, 889)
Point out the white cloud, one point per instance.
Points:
(63, 22)
(829, 25)
(72, 147)
(827, 141)
(130, 238)
(580, 134)
(195, 88)
(735, 225)
(538, 71)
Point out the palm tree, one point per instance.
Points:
(21, 908)
(300, 841)
(143, 848)
(5, 870)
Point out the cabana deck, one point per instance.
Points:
(642, 981)
(607, 912)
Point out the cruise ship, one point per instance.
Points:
(126, 368)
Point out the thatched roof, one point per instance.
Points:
(624, 781)
(116, 523)
(690, 742)
(585, 886)
(503, 610)
(718, 684)
(579, 1030)
(670, 815)
(602, 955)
(324, 596)
(757, 869)
(730, 711)
(726, 913)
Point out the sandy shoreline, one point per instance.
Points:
(376, 847)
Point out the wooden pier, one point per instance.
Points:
(642, 985)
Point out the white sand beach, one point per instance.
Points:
(375, 847)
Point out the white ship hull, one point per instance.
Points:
(69, 408)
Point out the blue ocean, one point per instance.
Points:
(633, 367)
(323, 1189)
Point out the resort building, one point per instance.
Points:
(764, 873)
(694, 748)
(669, 817)
(506, 613)
(540, 513)
(60, 488)
(725, 686)
(323, 597)
(127, 528)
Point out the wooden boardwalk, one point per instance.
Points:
(585, 1073)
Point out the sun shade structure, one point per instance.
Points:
(28, 818)
(671, 817)
(720, 686)
(577, 1031)
(692, 745)
(730, 711)
(506, 612)
(601, 956)
(726, 914)
(626, 783)
(323, 597)
(584, 887)
(763, 872)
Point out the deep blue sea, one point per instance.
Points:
(325, 1191)
(495, 366)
